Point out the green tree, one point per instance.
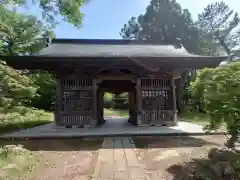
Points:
(15, 89)
(52, 10)
(108, 100)
(46, 90)
(221, 23)
(166, 22)
(21, 34)
(219, 90)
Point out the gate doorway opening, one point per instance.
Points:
(116, 89)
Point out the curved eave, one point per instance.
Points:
(50, 63)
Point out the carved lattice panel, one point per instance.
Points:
(77, 83)
(155, 83)
(77, 102)
(157, 103)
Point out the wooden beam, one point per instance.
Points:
(122, 77)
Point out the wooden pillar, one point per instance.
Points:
(102, 107)
(139, 102)
(174, 100)
(133, 108)
(130, 104)
(58, 101)
(95, 99)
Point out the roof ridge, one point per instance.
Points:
(109, 42)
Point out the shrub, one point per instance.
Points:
(219, 90)
(219, 164)
(108, 100)
(15, 161)
(20, 117)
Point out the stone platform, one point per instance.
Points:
(113, 127)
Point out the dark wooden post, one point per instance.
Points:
(58, 101)
(101, 107)
(174, 100)
(139, 102)
(130, 104)
(95, 96)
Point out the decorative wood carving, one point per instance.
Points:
(157, 103)
(77, 102)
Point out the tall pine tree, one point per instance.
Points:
(166, 22)
(222, 24)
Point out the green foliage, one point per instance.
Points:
(219, 164)
(46, 90)
(16, 93)
(108, 100)
(21, 34)
(121, 101)
(220, 23)
(195, 117)
(108, 97)
(19, 91)
(116, 112)
(219, 90)
(16, 161)
(165, 21)
(116, 101)
(20, 117)
(52, 9)
(15, 89)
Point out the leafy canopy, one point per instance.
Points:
(221, 23)
(21, 34)
(52, 9)
(166, 22)
(219, 90)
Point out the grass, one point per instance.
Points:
(16, 161)
(116, 112)
(37, 156)
(195, 117)
(19, 118)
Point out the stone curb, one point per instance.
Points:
(108, 135)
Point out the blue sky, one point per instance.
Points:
(103, 19)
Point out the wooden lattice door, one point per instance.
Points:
(77, 102)
(157, 101)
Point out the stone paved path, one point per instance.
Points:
(117, 160)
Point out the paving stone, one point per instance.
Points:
(117, 160)
(121, 175)
(131, 157)
(136, 172)
(103, 168)
(119, 157)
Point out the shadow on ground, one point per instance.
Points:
(219, 164)
(173, 141)
(56, 144)
(95, 143)
(16, 126)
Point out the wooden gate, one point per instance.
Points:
(156, 101)
(77, 102)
